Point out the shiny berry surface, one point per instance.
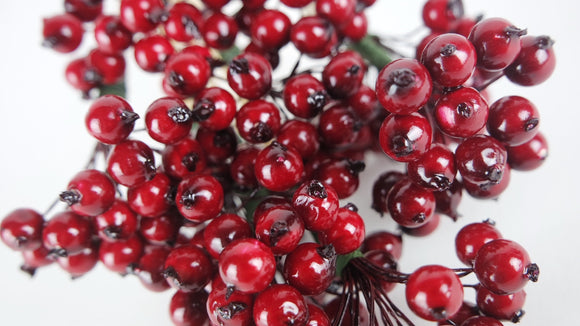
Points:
(450, 59)
(22, 229)
(250, 75)
(199, 198)
(405, 138)
(513, 120)
(279, 305)
(278, 168)
(188, 268)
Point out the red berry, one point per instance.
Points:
(316, 204)
(310, 268)
(481, 159)
(184, 22)
(304, 96)
(278, 168)
(513, 120)
(504, 307)
(199, 198)
(461, 113)
(184, 158)
(300, 135)
(342, 76)
(270, 29)
(280, 228)
(441, 15)
(117, 256)
(152, 53)
(89, 193)
(187, 73)
(381, 188)
(22, 229)
(131, 163)
(450, 59)
(529, 155)
(250, 75)
(111, 67)
(215, 108)
(347, 233)
(384, 241)
(110, 119)
(280, 305)
(82, 262)
(434, 170)
(314, 36)
(188, 268)
(336, 11)
(219, 31)
(258, 121)
(67, 234)
(535, 63)
(223, 230)
(471, 238)
(340, 175)
(410, 205)
(118, 222)
(161, 230)
(229, 307)
(83, 9)
(149, 268)
(63, 33)
(141, 15)
(152, 198)
(168, 120)
(111, 35)
(188, 309)
(481, 321)
(405, 138)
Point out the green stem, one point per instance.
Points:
(371, 49)
(343, 260)
(118, 89)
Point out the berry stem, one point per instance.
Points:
(371, 49)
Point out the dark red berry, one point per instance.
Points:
(184, 22)
(110, 67)
(270, 29)
(110, 119)
(250, 75)
(161, 230)
(118, 222)
(461, 113)
(188, 268)
(82, 262)
(152, 198)
(218, 145)
(314, 36)
(529, 155)
(441, 15)
(335, 11)
(316, 204)
(199, 198)
(152, 53)
(310, 268)
(118, 255)
(215, 108)
(22, 229)
(342, 76)
(187, 73)
(35, 259)
(448, 200)
(219, 31)
(481, 321)
(347, 233)
(384, 241)
(481, 159)
(223, 230)
(280, 305)
(81, 76)
(85, 10)
(301, 135)
(229, 307)
(405, 138)
(489, 190)
(471, 238)
(242, 167)
(338, 125)
(410, 205)
(280, 228)
(168, 120)
(131, 163)
(278, 168)
(355, 27)
(111, 35)
(513, 120)
(63, 33)
(535, 63)
(304, 96)
(503, 307)
(188, 309)
(184, 158)
(142, 15)
(89, 193)
(381, 188)
(450, 59)
(67, 234)
(434, 170)
(341, 175)
(258, 121)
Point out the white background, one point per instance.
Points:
(44, 143)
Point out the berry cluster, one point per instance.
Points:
(231, 193)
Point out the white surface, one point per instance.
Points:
(44, 143)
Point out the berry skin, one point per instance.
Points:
(131, 163)
(503, 307)
(347, 233)
(280, 228)
(270, 29)
(218, 145)
(301, 135)
(336, 11)
(111, 35)
(118, 222)
(35, 259)
(250, 75)
(342, 76)
(471, 238)
(434, 170)
(110, 119)
(89, 193)
(160, 230)
(338, 125)
(149, 269)
(242, 168)
(278, 168)
(62, 33)
(280, 305)
(314, 36)
(384, 241)
(187, 73)
(223, 230)
(497, 43)
(67, 234)
(355, 28)
(489, 190)
(81, 76)
(117, 256)
(381, 188)
(84, 10)
(450, 59)
(184, 158)
(481, 159)
(341, 175)
(530, 155)
(188, 268)
(504, 267)
(188, 309)
(168, 120)
(111, 67)
(258, 121)
(513, 120)
(219, 31)
(151, 53)
(22, 229)
(410, 205)
(141, 15)
(403, 86)
(317, 316)
(434, 292)
(248, 265)
(310, 268)
(316, 204)
(405, 138)
(535, 63)
(448, 200)
(152, 198)
(229, 308)
(481, 321)
(441, 15)
(184, 22)
(214, 109)
(304, 96)
(199, 198)
(461, 113)
(81, 262)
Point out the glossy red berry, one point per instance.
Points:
(535, 63)
(218, 145)
(89, 193)
(513, 120)
(316, 204)
(301, 135)
(489, 190)
(280, 228)
(342, 175)
(131, 163)
(188, 309)
(142, 15)
(441, 15)
(481, 321)
(296, 3)
(152, 53)
(342, 76)
(82, 262)
(21, 229)
(219, 31)
(481, 159)
(184, 22)
(381, 188)
(338, 125)
(434, 292)
(317, 316)
(304, 96)
(504, 267)
(258, 121)
(270, 29)
(347, 233)
(314, 36)
(279, 305)
(335, 11)
(161, 230)
(62, 33)
(67, 233)
(184, 158)
(434, 170)
(215, 108)
(152, 198)
(81, 76)
(461, 113)
(278, 168)
(110, 119)
(497, 43)
(248, 265)
(503, 307)
(118, 255)
(355, 27)
(529, 155)
(111, 35)
(405, 138)
(410, 205)
(35, 259)
(250, 75)
(118, 222)
(199, 198)
(83, 9)
(110, 67)
(384, 241)
(450, 59)
(310, 268)
(229, 307)
(188, 268)
(187, 73)
(471, 238)
(242, 168)
(448, 200)
(168, 120)
(223, 230)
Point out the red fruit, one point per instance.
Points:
(118, 222)
(278, 168)
(310, 268)
(461, 113)
(161, 230)
(410, 205)
(117, 256)
(497, 43)
(149, 268)
(168, 120)
(83, 9)
(141, 15)
(110, 119)
(300, 135)
(314, 36)
(450, 59)
(503, 307)
(441, 15)
(131, 163)
(342, 76)
(199, 198)
(270, 29)
(188, 268)
(513, 120)
(250, 75)
(63, 33)
(188, 309)
(530, 155)
(384, 241)
(184, 158)
(481, 159)
(304, 96)
(535, 63)
(152, 198)
(81, 262)
(223, 230)
(405, 138)
(280, 228)
(152, 52)
(434, 170)
(228, 307)
(22, 229)
(187, 73)
(89, 193)
(280, 305)
(471, 238)
(258, 121)
(219, 31)
(184, 22)
(347, 233)
(316, 204)
(110, 67)
(111, 35)
(215, 108)
(67, 234)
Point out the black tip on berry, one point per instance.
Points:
(518, 316)
(494, 174)
(317, 100)
(157, 16)
(112, 232)
(279, 145)
(355, 167)
(28, 270)
(70, 197)
(277, 231)
(464, 110)
(240, 66)
(129, 117)
(190, 161)
(188, 199)
(439, 313)
(544, 42)
(150, 170)
(351, 207)
(171, 275)
(175, 80)
(402, 77)
(401, 145)
(230, 289)
(513, 31)
(261, 132)
(50, 42)
(354, 69)
(228, 311)
(58, 252)
(448, 50)
(223, 138)
(190, 26)
(21, 241)
(531, 124)
(132, 269)
(419, 218)
(440, 182)
(489, 221)
(327, 252)
(532, 272)
(179, 114)
(202, 110)
(317, 189)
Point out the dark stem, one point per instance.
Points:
(70, 197)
